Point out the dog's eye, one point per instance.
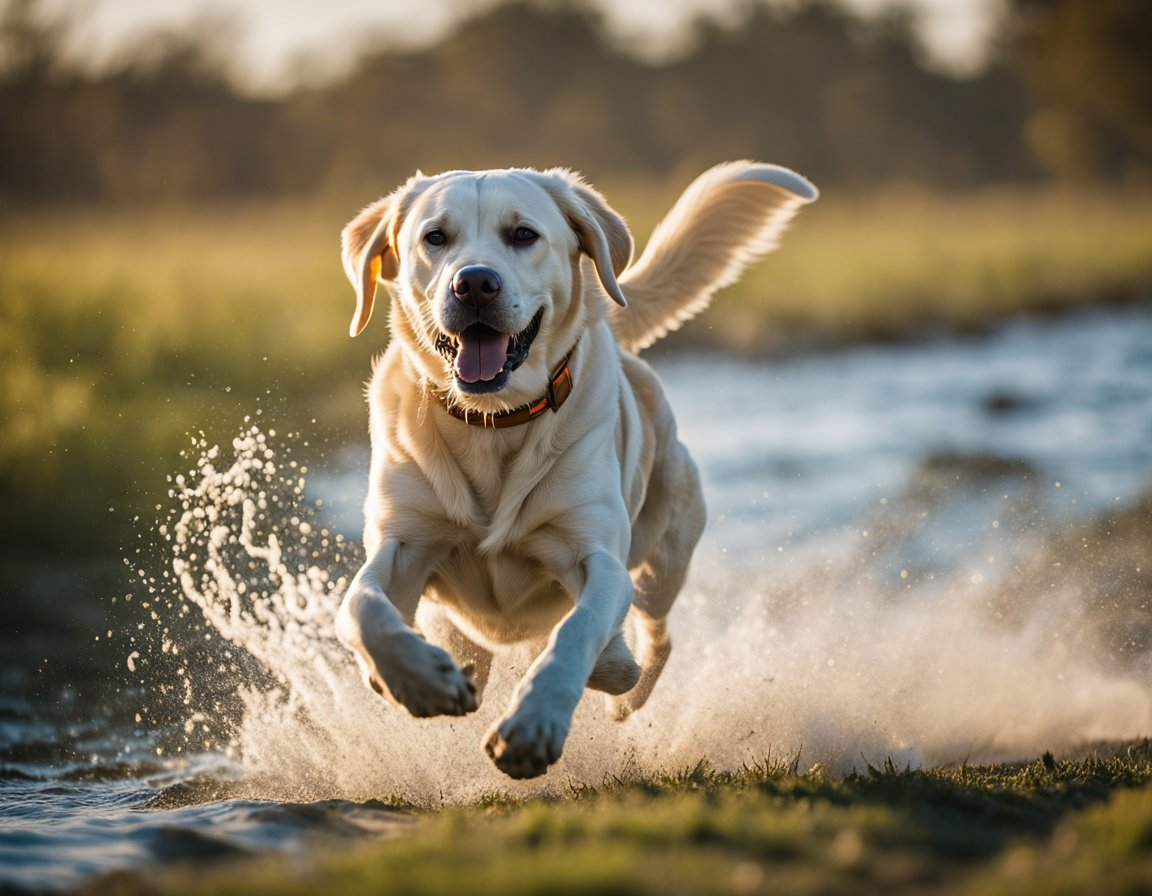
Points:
(435, 238)
(524, 236)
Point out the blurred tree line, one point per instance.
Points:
(1089, 69)
(1069, 93)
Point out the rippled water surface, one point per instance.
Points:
(935, 552)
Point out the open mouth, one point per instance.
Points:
(483, 358)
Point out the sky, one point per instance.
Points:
(272, 37)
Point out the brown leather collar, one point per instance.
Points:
(559, 388)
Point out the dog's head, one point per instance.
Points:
(485, 272)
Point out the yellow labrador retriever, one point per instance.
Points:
(527, 483)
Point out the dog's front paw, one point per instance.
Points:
(421, 677)
(525, 744)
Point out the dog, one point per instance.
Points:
(527, 483)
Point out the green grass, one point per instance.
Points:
(1048, 826)
(122, 331)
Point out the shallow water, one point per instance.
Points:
(902, 560)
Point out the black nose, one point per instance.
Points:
(476, 285)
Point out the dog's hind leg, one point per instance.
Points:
(616, 670)
(439, 629)
(659, 576)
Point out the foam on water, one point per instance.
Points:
(839, 650)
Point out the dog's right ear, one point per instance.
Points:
(368, 250)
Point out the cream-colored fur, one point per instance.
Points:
(559, 530)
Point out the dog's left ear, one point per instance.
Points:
(368, 252)
(602, 233)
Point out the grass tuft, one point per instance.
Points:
(1023, 827)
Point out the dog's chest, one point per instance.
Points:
(507, 596)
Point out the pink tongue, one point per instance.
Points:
(482, 354)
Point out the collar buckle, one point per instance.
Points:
(560, 387)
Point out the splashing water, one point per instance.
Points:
(854, 645)
(929, 553)
(251, 599)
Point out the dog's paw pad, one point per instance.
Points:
(424, 680)
(525, 747)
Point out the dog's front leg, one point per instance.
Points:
(531, 736)
(374, 622)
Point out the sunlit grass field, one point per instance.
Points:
(122, 331)
(1032, 829)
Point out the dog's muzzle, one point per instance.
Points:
(483, 358)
